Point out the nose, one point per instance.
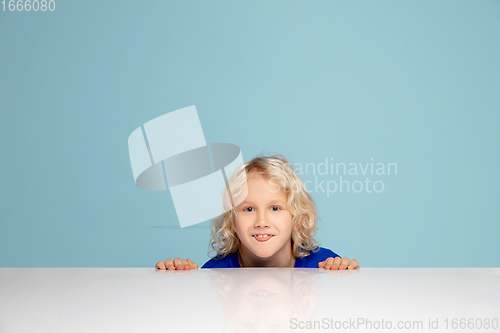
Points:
(262, 220)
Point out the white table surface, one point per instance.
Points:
(249, 299)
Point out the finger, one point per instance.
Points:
(192, 264)
(178, 264)
(160, 265)
(336, 263)
(186, 264)
(322, 264)
(169, 264)
(353, 265)
(329, 263)
(344, 263)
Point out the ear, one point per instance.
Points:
(297, 224)
(233, 222)
(301, 223)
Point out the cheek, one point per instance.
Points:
(242, 222)
(287, 225)
(239, 226)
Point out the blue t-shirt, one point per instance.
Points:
(311, 261)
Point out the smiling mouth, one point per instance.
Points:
(262, 238)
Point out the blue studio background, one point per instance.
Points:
(415, 83)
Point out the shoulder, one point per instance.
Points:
(322, 254)
(229, 261)
(314, 258)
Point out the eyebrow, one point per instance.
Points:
(278, 201)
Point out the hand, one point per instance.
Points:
(337, 263)
(176, 264)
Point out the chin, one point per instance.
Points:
(264, 254)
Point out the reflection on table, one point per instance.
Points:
(242, 300)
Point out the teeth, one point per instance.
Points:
(262, 236)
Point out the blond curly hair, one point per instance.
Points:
(278, 170)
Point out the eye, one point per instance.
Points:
(275, 210)
(247, 209)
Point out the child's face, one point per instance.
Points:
(264, 212)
